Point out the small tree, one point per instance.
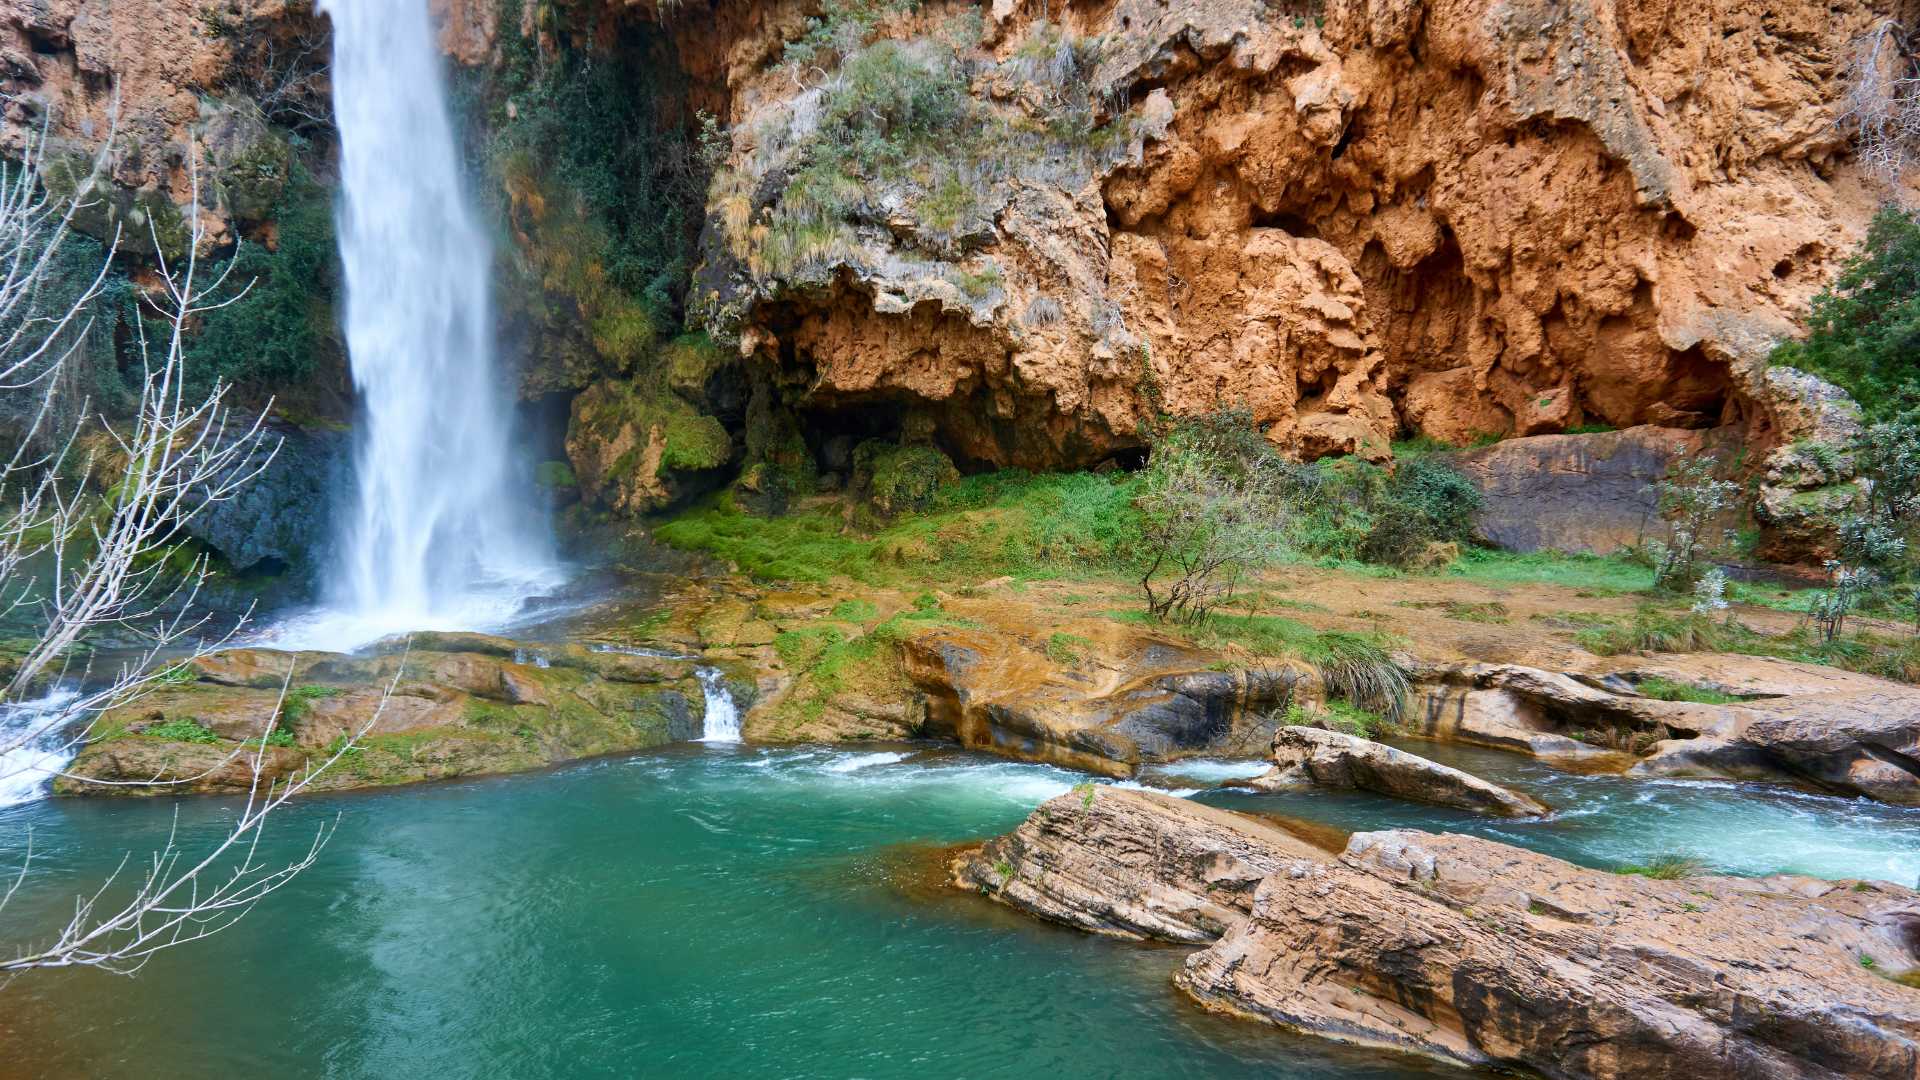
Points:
(1690, 498)
(1212, 509)
(1876, 541)
(87, 565)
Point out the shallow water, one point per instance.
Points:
(704, 911)
(1607, 821)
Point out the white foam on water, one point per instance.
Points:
(722, 723)
(1214, 770)
(866, 761)
(27, 769)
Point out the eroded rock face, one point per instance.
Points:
(1481, 953)
(988, 691)
(1807, 725)
(1337, 760)
(1574, 493)
(1122, 863)
(187, 78)
(1459, 218)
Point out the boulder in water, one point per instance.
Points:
(1481, 953)
(1338, 760)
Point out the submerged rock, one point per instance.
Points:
(1482, 953)
(1337, 760)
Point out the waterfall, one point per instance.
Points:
(722, 724)
(443, 535)
(26, 769)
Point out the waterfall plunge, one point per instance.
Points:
(442, 537)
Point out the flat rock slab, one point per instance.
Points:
(1481, 953)
(1335, 759)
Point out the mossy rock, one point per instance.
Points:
(635, 448)
(895, 479)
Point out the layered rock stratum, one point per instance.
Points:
(1481, 953)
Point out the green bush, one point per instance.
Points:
(1863, 333)
(272, 335)
(900, 479)
(1347, 508)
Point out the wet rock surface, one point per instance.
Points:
(460, 705)
(1337, 760)
(1481, 953)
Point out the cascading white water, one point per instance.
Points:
(45, 746)
(442, 536)
(722, 724)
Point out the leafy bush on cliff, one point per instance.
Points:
(599, 147)
(272, 335)
(1863, 333)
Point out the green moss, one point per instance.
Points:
(695, 442)
(300, 699)
(900, 479)
(855, 611)
(553, 475)
(1067, 650)
(181, 729)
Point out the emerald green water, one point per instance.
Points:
(738, 912)
(698, 912)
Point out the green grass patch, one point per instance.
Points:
(300, 699)
(1670, 690)
(854, 611)
(1600, 574)
(1067, 650)
(182, 729)
(1013, 523)
(1664, 868)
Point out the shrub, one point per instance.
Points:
(1211, 510)
(1690, 499)
(273, 333)
(900, 479)
(1352, 509)
(1665, 868)
(1863, 333)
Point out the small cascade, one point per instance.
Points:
(26, 770)
(723, 716)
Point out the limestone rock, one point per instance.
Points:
(987, 691)
(1574, 493)
(1481, 953)
(461, 705)
(1469, 217)
(1126, 864)
(1337, 760)
(1485, 954)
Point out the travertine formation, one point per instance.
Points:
(1457, 218)
(1481, 953)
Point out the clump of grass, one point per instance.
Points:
(1353, 720)
(1671, 690)
(1067, 650)
(300, 700)
(1654, 630)
(1665, 868)
(1623, 738)
(182, 729)
(856, 611)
